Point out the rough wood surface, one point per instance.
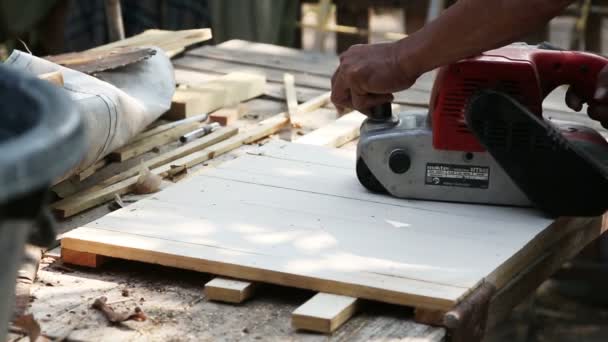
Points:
(229, 290)
(324, 313)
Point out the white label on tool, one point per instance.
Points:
(466, 176)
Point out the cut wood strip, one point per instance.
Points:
(337, 133)
(229, 290)
(290, 95)
(172, 42)
(82, 258)
(148, 144)
(88, 172)
(224, 91)
(324, 313)
(164, 127)
(80, 202)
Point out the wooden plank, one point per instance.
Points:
(290, 95)
(267, 220)
(161, 128)
(274, 75)
(172, 42)
(80, 258)
(337, 133)
(89, 199)
(227, 90)
(324, 313)
(148, 144)
(228, 290)
(122, 183)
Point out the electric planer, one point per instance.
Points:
(484, 139)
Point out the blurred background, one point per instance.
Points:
(57, 26)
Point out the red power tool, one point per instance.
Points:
(485, 139)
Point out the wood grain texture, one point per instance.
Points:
(229, 290)
(295, 215)
(324, 313)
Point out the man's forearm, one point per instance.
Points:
(470, 27)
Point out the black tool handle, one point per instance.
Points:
(381, 112)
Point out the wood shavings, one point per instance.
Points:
(147, 182)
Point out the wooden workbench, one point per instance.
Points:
(172, 298)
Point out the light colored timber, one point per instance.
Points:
(80, 258)
(290, 95)
(224, 91)
(324, 313)
(142, 146)
(172, 42)
(264, 217)
(337, 133)
(228, 290)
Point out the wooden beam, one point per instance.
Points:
(82, 258)
(164, 127)
(228, 290)
(224, 91)
(324, 313)
(142, 146)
